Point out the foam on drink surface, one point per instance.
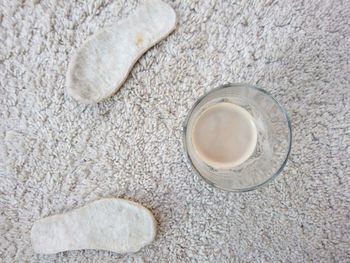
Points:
(224, 135)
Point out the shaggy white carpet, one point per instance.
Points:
(57, 154)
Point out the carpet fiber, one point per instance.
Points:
(57, 154)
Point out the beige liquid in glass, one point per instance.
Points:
(224, 135)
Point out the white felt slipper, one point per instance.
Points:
(102, 64)
(109, 224)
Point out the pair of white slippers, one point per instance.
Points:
(96, 72)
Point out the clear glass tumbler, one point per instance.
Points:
(273, 141)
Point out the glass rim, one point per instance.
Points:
(249, 86)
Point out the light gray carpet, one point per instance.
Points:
(57, 154)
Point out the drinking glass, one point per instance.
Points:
(273, 141)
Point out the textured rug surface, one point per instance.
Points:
(57, 154)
